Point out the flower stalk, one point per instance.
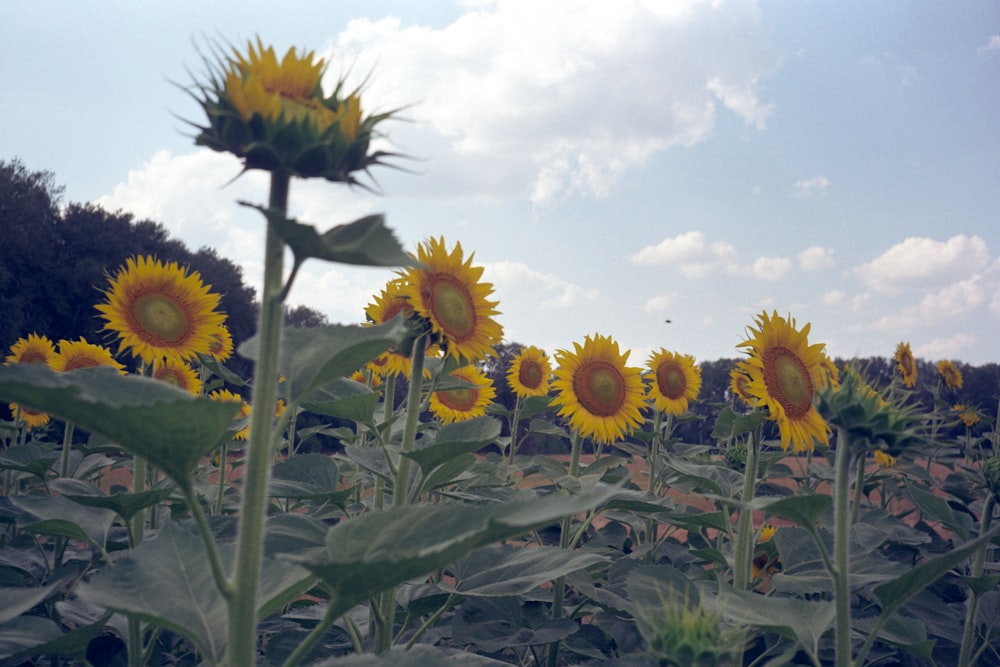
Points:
(743, 548)
(250, 546)
(841, 551)
(972, 603)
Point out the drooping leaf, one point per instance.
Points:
(343, 399)
(30, 458)
(804, 510)
(312, 357)
(146, 417)
(454, 440)
(61, 517)
(305, 476)
(374, 552)
(937, 508)
(125, 505)
(496, 571)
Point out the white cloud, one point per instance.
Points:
(992, 46)
(815, 257)
(816, 186)
(945, 348)
(938, 306)
(660, 302)
(561, 97)
(512, 281)
(690, 254)
(833, 297)
(771, 268)
(924, 262)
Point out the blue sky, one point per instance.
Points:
(612, 165)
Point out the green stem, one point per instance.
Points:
(514, 422)
(250, 544)
(215, 562)
(401, 486)
(841, 565)
(135, 658)
(296, 656)
(565, 542)
(743, 548)
(654, 450)
(67, 446)
(859, 489)
(969, 631)
(223, 465)
(138, 486)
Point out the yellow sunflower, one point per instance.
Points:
(530, 373)
(596, 391)
(221, 345)
(386, 305)
(906, 365)
(739, 383)
(445, 289)
(177, 373)
(883, 459)
(950, 374)
(244, 413)
(968, 415)
(159, 310)
(675, 381)
(75, 354)
(767, 532)
(32, 349)
(455, 405)
(785, 372)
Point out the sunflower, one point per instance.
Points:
(767, 532)
(221, 345)
(906, 365)
(177, 373)
(950, 374)
(455, 405)
(275, 115)
(675, 380)
(387, 304)
(739, 383)
(76, 354)
(159, 310)
(529, 373)
(883, 459)
(966, 414)
(244, 413)
(33, 349)
(596, 391)
(785, 372)
(446, 290)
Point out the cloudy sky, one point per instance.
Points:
(613, 165)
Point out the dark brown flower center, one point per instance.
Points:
(600, 388)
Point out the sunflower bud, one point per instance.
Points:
(275, 116)
(681, 634)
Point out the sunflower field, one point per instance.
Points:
(160, 509)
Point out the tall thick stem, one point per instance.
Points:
(250, 546)
(969, 631)
(565, 542)
(743, 548)
(841, 549)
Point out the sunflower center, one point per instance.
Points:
(907, 363)
(173, 378)
(787, 380)
(671, 381)
(459, 400)
(530, 374)
(33, 357)
(81, 362)
(600, 388)
(452, 307)
(161, 318)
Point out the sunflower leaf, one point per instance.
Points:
(366, 241)
(146, 417)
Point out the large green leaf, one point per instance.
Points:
(17, 600)
(61, 517)
(156, 420)
(374, 552)
(125, 505)
(453, 440)
(937, 508)
(167, 581)
(312, 357)
(33, 459)
(366, 241)
(26, 632)
(496, 570)
(306, 476)
(344, 399)
(805, 510)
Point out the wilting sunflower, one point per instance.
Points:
(785, 372)
(159, 310)
(176, 372)
(950, 374)
(446, 290)
(32, 349)
(675, 380)
(243, 415)
(906, 365)
(596, 391)
(221, 346)
(274, 114)
(76, 354)
(530, 373)
(455, 405)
